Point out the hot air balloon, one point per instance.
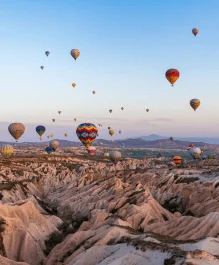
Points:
(94, 92)
(66, 134)
(59, 112)
(42, 67)
(195, 103)
(51, 135)
(195, 152)
(48, 136)
(120, 132)
(7, 150)
(147, 110)
(171, 138)
(122, 108)
(53, 120)
(73, 84)
(109, 128)
(190, 146)
(111, 132)
(40, 129)
(177, 160)
(75, 119)
(106, 154)
(47, 53)
(110, 111)
(171, 164)
(115, 156)
(54, 145)
(172, 75)
(49, 149)
(91, 150)
(195, 31)
(75, 53)
(86, 132)
(16, 130)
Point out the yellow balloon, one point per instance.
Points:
(7, 150)
(73, 84)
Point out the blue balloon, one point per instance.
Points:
(49, 150)
(40, 129)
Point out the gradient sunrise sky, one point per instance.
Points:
(126, 47)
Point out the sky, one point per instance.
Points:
(126, 47)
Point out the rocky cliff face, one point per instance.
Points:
(71, 210)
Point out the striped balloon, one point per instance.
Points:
(86, 132)
(172, 75)
(177, 160)
(7, 150)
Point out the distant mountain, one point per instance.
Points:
(127, 143)
(160, 144)
(208, 140)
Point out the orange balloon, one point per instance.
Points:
(172, 75)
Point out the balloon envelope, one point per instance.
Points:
(49, 149)
(73, 84)
(40, 129)
(54, 145)
(177, 160)
(195, 152)
(86, 132)
(195, 103)
(115, 156)
(75, 53)
(16, 130)
(111, 132)
(47, 53)
(172, 75)
(91, 150)
(195, 31)
(7, 150)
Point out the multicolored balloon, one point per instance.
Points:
(16, 130)
(40, 129)
(7, 150)
(177, 160)
(172, 75)
(91, 150)
(42, 67)
(47, 53)
(195, 152)
(195, 103)
(87, 133)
